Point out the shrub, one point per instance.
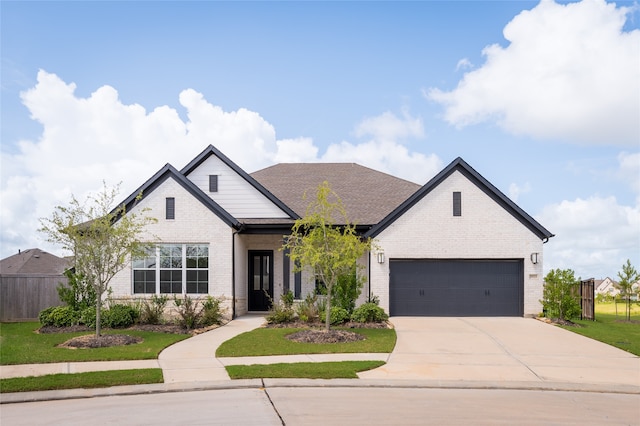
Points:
(338, 315)
(119, 316)
(88, 317)
(346, 291)
(282, 312)
(59, 316)
(188, 312)
(212, 312)
(369, 312)
(76, 294)
(307, 310)
(152, 310)
(560, 295)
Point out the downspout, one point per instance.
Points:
(233, 274)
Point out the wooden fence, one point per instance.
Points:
(23, 297)
(587, 299)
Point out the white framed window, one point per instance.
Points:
(172, 269)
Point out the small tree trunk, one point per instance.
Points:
(98, 321)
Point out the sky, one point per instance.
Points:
(541, 98)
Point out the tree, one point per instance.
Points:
(561, 295)
(103, 240)
(317, 244)
(628, 276)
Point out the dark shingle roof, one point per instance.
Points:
(368, 195)
(33, 261)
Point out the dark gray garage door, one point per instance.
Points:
(439, 287)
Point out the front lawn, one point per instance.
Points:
(611, 329)
(272, 341)
(20, 344)
(302, 370)
(96, 379)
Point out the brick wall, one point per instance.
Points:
(484, 231)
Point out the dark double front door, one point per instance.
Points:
(260, 280)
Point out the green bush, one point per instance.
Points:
(188, 312)
(59, 316)
(88, 317)
(369, 312)
(152, 310)
(282, 312)
(119, 316)
(307, 310)
(346, 291)
(212, 312)
(338, 315)
(561, 294)
(77, 293)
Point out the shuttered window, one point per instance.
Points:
(213, 183)
(457, 204)
(171, 208)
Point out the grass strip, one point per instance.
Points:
(302, 370)
(611, 329)
(95, 379)
(20, 344)
(273, 341)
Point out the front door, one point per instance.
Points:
(260, 280)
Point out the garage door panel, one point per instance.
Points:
(456, 287)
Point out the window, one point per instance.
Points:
(173, 269)
(213, 183)
(171, 208)
(457, 204)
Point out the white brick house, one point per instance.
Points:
(453, 247)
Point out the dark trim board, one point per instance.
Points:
(456, 287)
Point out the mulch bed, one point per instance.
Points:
(103, 341)
(324, 336)
(318, 324)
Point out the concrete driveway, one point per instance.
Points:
(502, 349)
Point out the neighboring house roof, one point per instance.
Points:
(461, 166)
(33, 261)
(168, 171)
(367, 195)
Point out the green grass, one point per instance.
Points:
(98, 379)
(302, 370)
(272, 341)
(611, 329)
(19, 344)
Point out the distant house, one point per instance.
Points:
(28, 282)
(607, 287)
(33, 261)
(455, 246)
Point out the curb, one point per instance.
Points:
(56, 395)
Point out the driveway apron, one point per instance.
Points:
(501, 349)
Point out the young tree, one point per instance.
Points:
(102, 239)
(560, 296)
(628, 276)
(329, 250)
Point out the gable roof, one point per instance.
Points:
(33, 261)
(211, 150)
(368, 195)
(168, 171)
(465, 169)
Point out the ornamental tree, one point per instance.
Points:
(102, 239)
(328, 250)
(628, 277)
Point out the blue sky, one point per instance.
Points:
(543, 99)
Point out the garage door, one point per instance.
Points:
(436, 287)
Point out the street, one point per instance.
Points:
(334, 405)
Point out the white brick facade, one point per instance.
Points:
(485, 230)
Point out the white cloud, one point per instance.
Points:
(594, 236)
(569, 72)
(88, 140)
(463, 63)
(515, 190)
(630, 170)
